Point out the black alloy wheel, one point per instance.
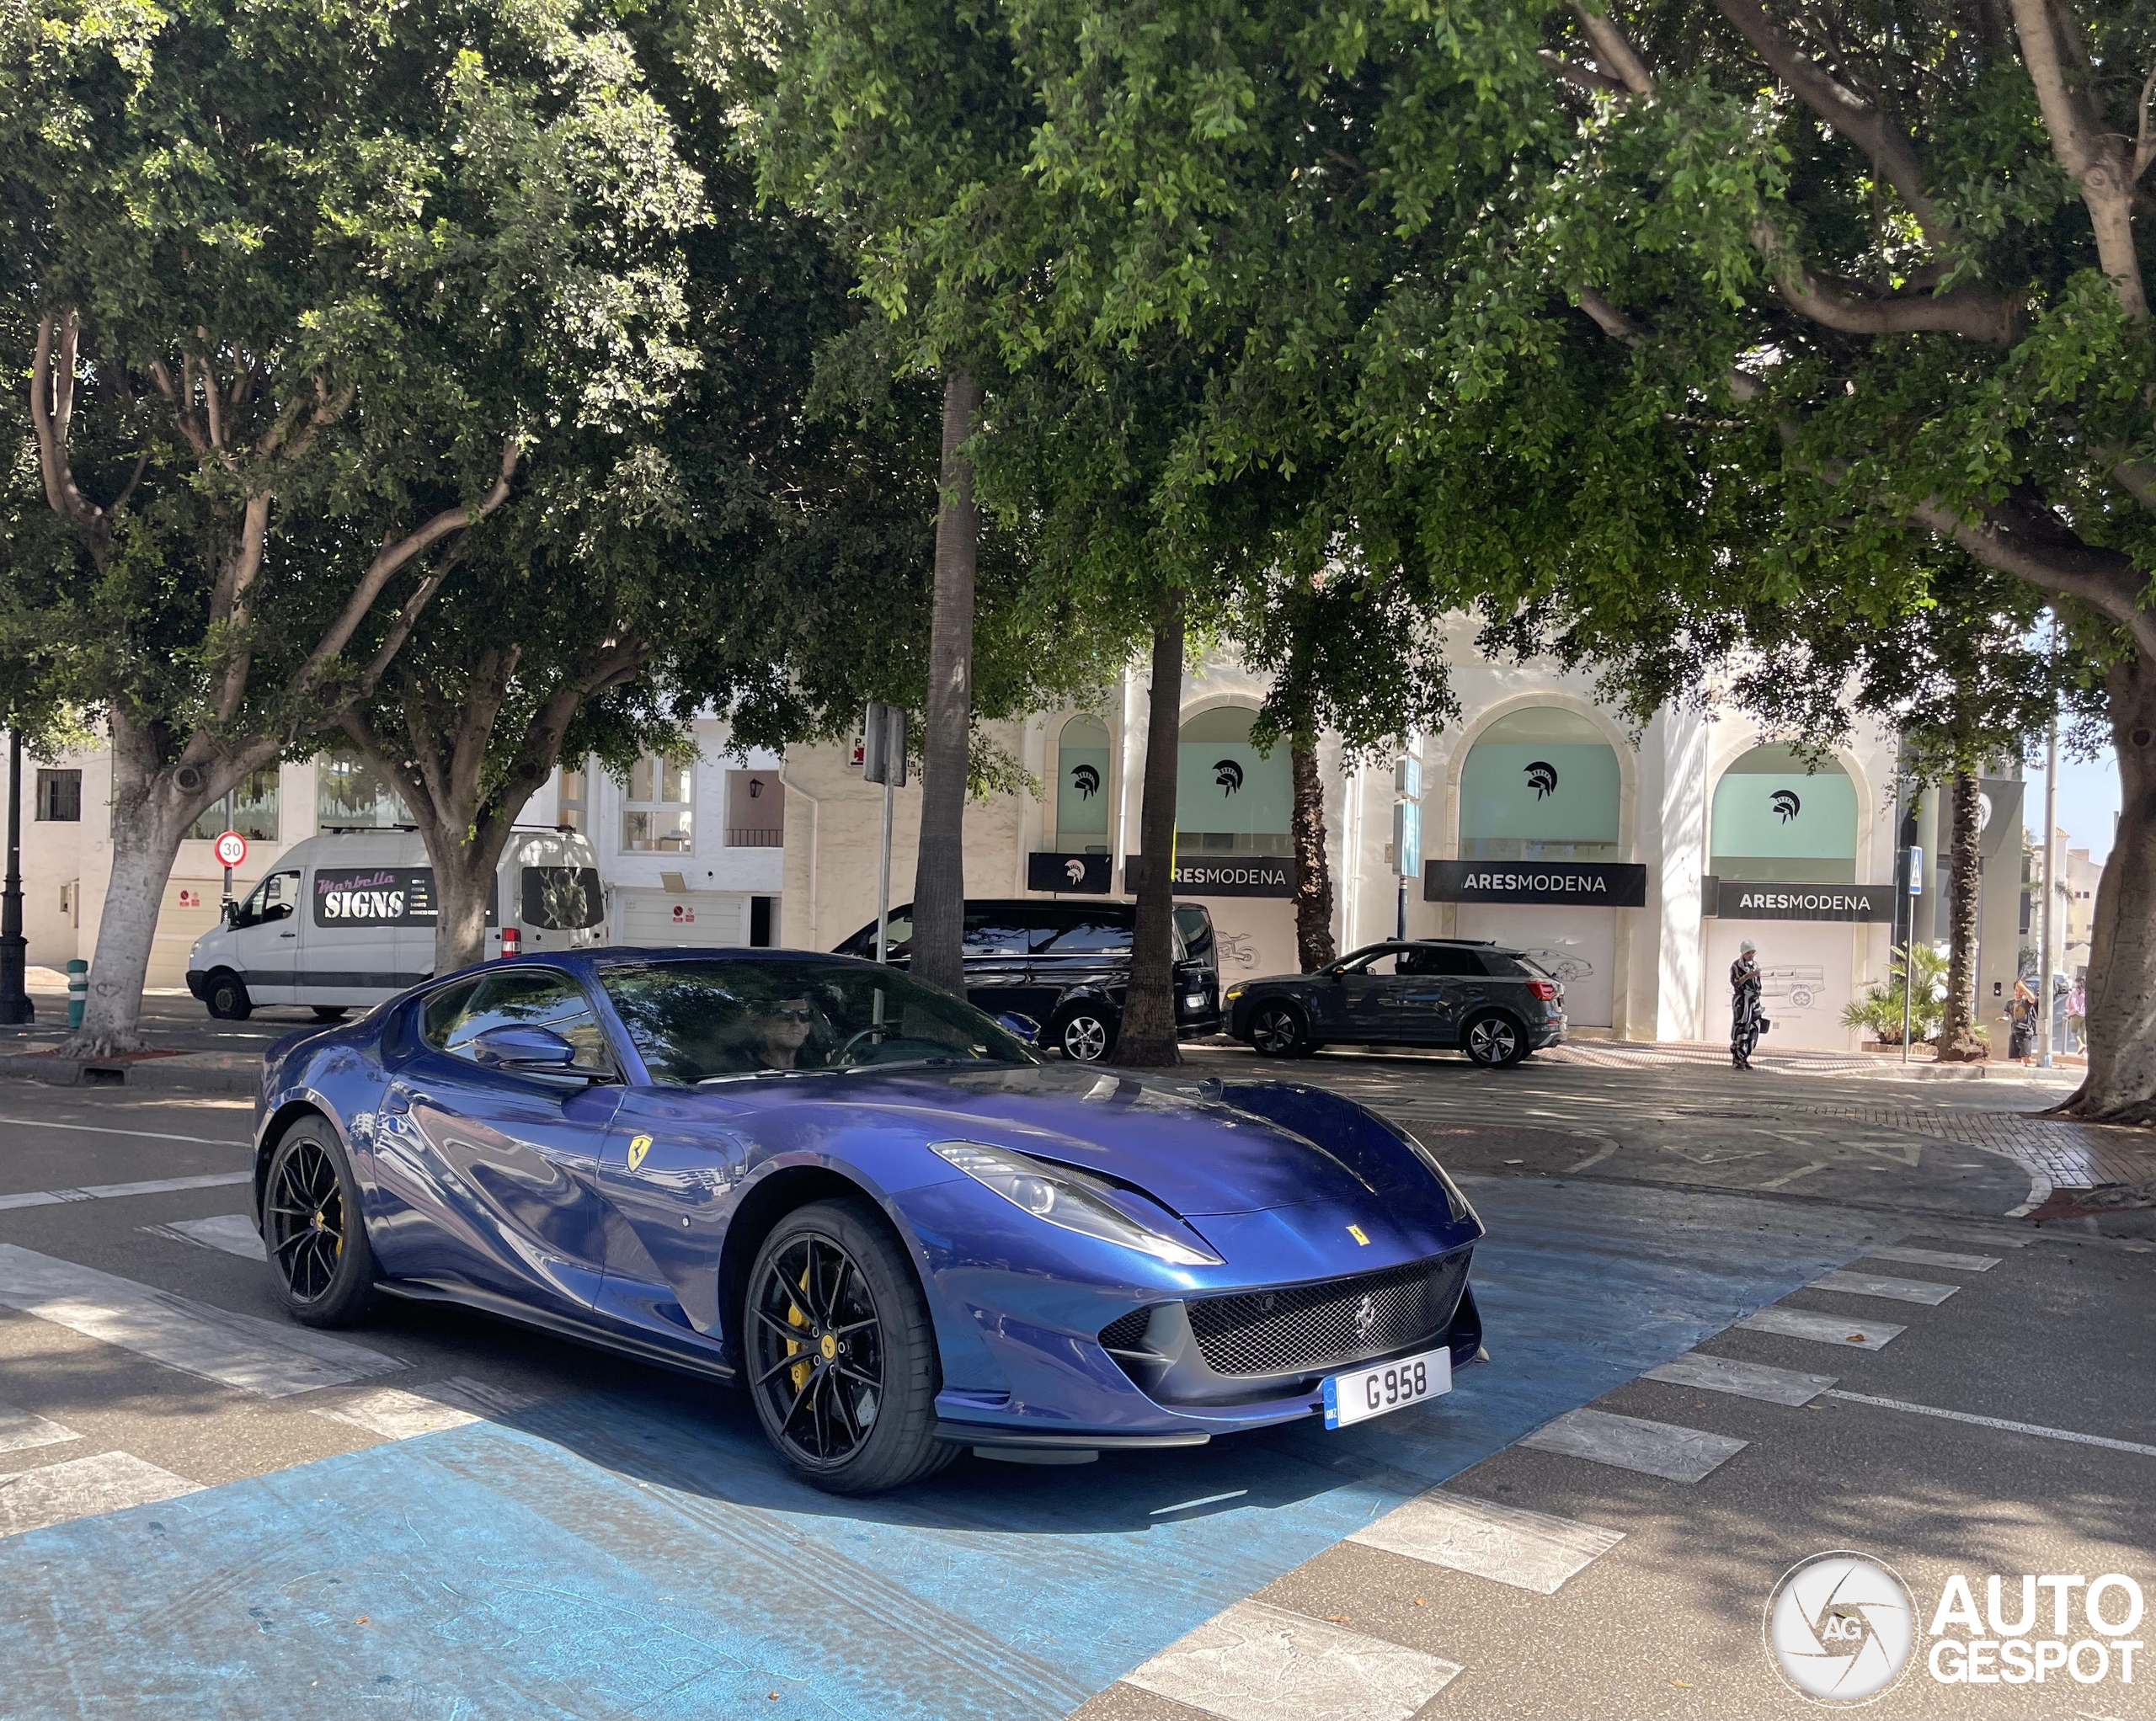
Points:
(841, 1358)
(1278, 1030)
(226, 997)
(320, 1263)
(1494, 1041)
(1086, 1035)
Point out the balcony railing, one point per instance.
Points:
(754, 836)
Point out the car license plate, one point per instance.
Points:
(1364, 1392)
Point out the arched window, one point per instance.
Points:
(1082, 787)
(1777, 819)
(1229, 801)
(1541, 784)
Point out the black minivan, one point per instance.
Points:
(1066, 964)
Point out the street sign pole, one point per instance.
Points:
(2051, 888)
(231, 850)
(883, 760)
(15, 1005)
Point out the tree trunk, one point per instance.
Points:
(2121, 1085)
(464, 874)
(1314, 948)
(1958, 1037)
(1148, 1036)
(939, 884)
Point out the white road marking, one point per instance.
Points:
(110, 1191)
(1827, 1328)
(1633, 1443)
(2000, 1422)
(233, 1233)
(1527, 1550)
(21, 1432)
(1202, 1500)
(1990, 1239)
(146, 1135)
(1925, 1291)
(1934, 1258)
(263, 1357)
(1745, 1380)
(1251, 1662)
(81, 1488)
(396, 1415)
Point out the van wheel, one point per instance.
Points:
(330, 1012)
(225, 995)
(1086, 1035)
(1494, 1041)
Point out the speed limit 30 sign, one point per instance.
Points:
(232, 849)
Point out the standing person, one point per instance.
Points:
(2077, 1013)
(2021, 1024)
(1744, 1018)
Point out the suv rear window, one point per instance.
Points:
(562, 898)
(1194, 928)
(1506, 966)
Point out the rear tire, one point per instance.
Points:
(1086, 1035)
(1279, 1031)
(224, 995)
(850, 1404)
(1493, 1041)
(320, 1267)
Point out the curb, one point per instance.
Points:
(166, 1073)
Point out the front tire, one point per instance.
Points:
(320, 1265)
(1279, 1031)
(842, 1356)
(1086, 1035)
(224, 995)
(1494, 1041)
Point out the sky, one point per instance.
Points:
(2088, 801)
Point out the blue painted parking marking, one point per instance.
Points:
(639, 1551)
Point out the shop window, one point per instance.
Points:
(572, 800)
(251, 809)
(1082, 787)
(1778, 818)
(657, 817)
(59, 797)
(755, 810)
(1229, 799)
(350, 793)
(1541, 784)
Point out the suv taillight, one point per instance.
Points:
(1546, 990)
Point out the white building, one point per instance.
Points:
(1634, 865)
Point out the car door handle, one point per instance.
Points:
(288, 934)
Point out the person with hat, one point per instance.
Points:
(1745, 1021)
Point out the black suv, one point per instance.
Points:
(1468, 995)
(1066, 965)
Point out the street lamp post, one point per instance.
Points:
(15, 1005)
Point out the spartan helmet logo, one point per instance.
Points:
(1075, 870)
(1785, 804)
(1542, 778)
(1228, 774)
(1085, 780)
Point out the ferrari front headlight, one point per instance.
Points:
(1053, 1194)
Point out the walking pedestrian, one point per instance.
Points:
(2021, 1024)
(1745, 1021)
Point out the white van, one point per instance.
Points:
(347, 919)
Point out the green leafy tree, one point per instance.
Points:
(292, 299)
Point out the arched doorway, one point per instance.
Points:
(1544, 784)
(1233, 804)
(1082, 787)
(1781, 819)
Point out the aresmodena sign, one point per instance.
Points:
(1604, 884)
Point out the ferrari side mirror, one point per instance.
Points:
(520, 1046)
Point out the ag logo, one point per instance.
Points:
(1075, 870)
(1228, 774)
(638, 1148)
(1785, 804)
(1542, 778)
(1085, 780)
(1840, 1627)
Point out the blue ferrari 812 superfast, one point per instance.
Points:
(868, 1204)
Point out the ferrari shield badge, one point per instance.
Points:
(638, 1147)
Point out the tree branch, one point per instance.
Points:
(2145, 146)
(2026, 540)
(1618, 61)
(1615, 324)
(1582, 77)
(1962, 310)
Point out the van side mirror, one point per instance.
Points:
(228, 911)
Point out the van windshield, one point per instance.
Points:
(705, 1018)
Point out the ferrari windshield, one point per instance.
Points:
(706, 1018)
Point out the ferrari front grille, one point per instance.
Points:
(1307, 1327)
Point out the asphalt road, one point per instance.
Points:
(204, 1510)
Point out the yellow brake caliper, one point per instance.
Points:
(798, 1374)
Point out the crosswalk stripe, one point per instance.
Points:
(21, 1432)
(394, 1413)
(1989, 1240)
(1825, 1328)
(1506, 1544)
(113, 1191)
(1633, 1443)
(233, 1233)
(1882, 1285)
(81, 1488)
(1252, 1662)
(1745, 1380)
(1933, 1257)
(258, 1356)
